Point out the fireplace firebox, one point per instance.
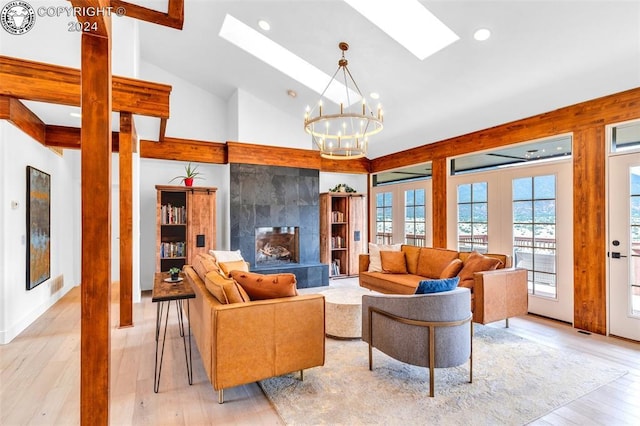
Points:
(277, 245)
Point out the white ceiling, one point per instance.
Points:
(542, 55)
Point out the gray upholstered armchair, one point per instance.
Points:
(428, 330)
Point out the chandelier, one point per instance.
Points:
(343, 135)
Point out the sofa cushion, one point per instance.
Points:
(452, 269)
(226, 255)
(437, 286)
(260, 287)
(412, 253)
(393, 262)
(476, 262)
(433, 261)
(375, 262)
(224, 289)
(234, 265)
(506, 260)
(203, 263)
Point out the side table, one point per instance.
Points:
(163, 294)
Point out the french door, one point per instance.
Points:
(624, 246)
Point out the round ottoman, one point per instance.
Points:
(343, 312)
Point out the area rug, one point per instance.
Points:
(515, 381)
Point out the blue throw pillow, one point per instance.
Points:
(436, 286)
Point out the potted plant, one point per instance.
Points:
(190, 173)
(174, 273)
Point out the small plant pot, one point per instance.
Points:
(188, 182)
(174, 277)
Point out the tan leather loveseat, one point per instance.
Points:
(247, 341)
(498, 291)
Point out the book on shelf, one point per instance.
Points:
(334, 267)
(173, 215)
(337, 242)
(173, 249)
(337, 216)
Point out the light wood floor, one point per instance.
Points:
(40, 375)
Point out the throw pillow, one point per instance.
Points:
(393, 262)
(375, 262)
(437, 286)
(226, 255)
(227, 267)
(261, 287)
(224, 289)
(433, 261)
(203, 264)
(452, 269)
(476, 262)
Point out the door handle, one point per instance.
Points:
(616, 255)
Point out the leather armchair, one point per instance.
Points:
(427, 330)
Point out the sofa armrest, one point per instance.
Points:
(257, 340)
(363, 262)
(500, 294)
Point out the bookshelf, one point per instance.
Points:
(342, 232)
(185, 224)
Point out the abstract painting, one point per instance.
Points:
(38, 227)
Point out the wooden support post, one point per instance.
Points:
(127, 142)
(95, 339)
(439, 201)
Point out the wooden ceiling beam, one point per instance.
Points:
(23, 118)
(69, 138)
(184, 150)
(37, 81)
(173, 18)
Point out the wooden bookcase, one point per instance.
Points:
(185, 224)
(342, 233)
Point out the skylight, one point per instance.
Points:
(270, 52)
(409, 23)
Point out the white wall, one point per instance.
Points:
(20, 307)
(195, 113)
(261, 123)
(330, 180)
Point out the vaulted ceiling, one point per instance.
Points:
(542, 55)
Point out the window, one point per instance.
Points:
(384, 218)
(414, 218)
(534, 231)
(472, 217)
(635, 240)
(625, 137)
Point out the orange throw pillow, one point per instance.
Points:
(261, 287)
(432, 261)
(452, 269)
(476, 262)
(393, 262)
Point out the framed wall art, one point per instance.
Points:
(38, 227)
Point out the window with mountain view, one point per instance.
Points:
(414, 218)
(384, 218)
(534, 231)
(473, 221)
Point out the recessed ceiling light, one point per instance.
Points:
(374, 95)
(482, 34)
(75, 114)
(266, 26)
(270, 52)
(292, 93)
(409, 23)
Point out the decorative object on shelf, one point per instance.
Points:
(344, 135)
(174, 273)
(342, 187)
(190, 173)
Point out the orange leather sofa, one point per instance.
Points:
(245, 342)
(496, 294)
